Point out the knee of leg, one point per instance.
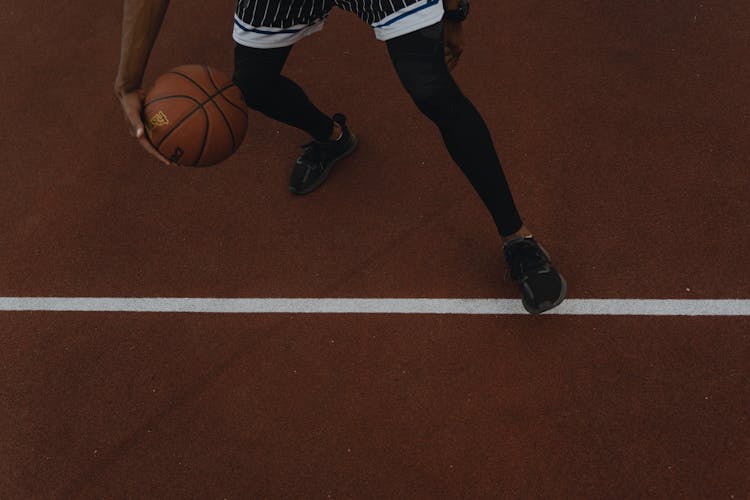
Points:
(436, 95)
(256, 73)
(255, 91)
(419, 61)
(437, 101)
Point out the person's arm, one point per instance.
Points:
(454, 37)
(141, 22)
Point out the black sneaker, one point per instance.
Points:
(313, 167)
(542, 286)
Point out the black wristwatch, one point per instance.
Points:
(460, 14)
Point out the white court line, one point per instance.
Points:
(586, 307)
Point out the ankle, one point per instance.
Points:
(521, 233)
(337, 132)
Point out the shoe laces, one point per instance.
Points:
(316, 152)
(525, 257)
(313, 154)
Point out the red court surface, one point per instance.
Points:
(623, 130)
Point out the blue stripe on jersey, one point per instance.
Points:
(429, 3)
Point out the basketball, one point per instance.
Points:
(195, 116)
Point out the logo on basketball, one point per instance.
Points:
(177, 155)
(158, 120)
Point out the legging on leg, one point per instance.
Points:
(419, 61)
(257, 73)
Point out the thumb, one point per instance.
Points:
(136, 123)
(132, 105)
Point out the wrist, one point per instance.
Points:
(456, 10)
(121, 92)
(123, 87)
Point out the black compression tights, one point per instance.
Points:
(419, 61)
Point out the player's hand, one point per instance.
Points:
(132, 106)
(454, 42)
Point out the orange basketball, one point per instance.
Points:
(195, 116)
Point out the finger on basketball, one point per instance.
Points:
(132, 105)
(151, 149)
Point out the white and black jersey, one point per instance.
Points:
(287, 13)
(278, 23)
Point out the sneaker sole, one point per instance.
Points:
(326, 172)
(546, 306)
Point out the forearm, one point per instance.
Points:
(141, 22)
(450, 4)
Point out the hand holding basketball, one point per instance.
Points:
(132, 106)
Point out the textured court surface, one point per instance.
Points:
(623, 128)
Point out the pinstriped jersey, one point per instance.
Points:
(287, 13)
